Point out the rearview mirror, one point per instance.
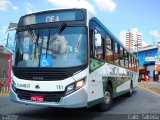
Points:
(98, 40)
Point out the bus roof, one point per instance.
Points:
(58, 9)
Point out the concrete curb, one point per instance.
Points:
(5, 93)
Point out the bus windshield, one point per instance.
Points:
(46, 48)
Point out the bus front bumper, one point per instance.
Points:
(76, 99)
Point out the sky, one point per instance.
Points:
(116, 15)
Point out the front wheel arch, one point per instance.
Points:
(108, 98)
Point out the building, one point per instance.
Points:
(4, 65)
(6, 51)
(147, 57)
(131, 38)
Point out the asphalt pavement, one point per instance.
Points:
(142, 102)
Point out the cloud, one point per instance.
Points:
(3, 29)
(15, 8)
(144, 44)
(156, 35)
(3, 5)
(29, 10)
(29, 7)
(7, 3)
(105, 5)
(73, 4)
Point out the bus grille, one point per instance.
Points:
(40, 74)
(48, 96)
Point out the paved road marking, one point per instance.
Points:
(149, 88)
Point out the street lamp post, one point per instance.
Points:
(137, 45)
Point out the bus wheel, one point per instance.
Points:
(106, 104)
(129, 94)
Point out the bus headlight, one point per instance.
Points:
(75, 86)
(80, 84)
(70, 88)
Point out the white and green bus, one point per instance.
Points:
(65, 59)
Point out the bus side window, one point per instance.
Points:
(121, 57)
(109, 49)
(96, 45)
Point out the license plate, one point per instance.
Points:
(37, 98)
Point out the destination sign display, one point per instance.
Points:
(52, 16)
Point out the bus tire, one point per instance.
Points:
(129, 94)
(108, 98)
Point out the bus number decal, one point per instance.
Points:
(59, 87)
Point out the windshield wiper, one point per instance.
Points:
(52, 38)
(47, 44)
(36, 47)
(32, 36)
(60, 30)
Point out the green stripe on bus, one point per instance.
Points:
(94, 102)
(116, 81)
(95, 64)
(120, 93)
